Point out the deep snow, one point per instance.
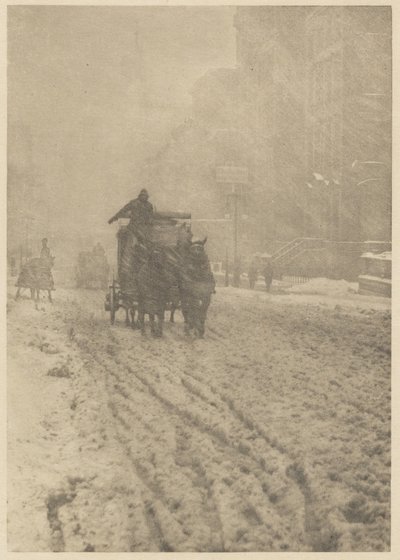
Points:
(271, 434)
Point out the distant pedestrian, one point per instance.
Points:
(45, 252)
(253, 273)
(237, 271)
(98, 250)
(268, 273)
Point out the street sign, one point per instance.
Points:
(231, 174)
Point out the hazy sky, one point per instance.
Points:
(98, 89)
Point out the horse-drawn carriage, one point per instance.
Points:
(153, 273)
(92, 270)
(166, 233)
(36, 275)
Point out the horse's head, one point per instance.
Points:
(197, 250)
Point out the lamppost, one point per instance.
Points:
(365, 173)
(334, 186)
(233, 196)
(234, 177)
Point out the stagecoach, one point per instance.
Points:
(167, 231)
(36, 275)
(92, 270)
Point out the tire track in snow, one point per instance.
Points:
(242, 450)
(151, 491)
(154, 492)
(176, 341)
(151, 494)
(186, 454)
(185, 415)
(240, 416)
(219, 435)
(309, 526)
(187, 377)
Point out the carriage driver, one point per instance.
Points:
(140, 211)
(45, 251)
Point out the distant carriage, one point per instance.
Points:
(92, 271)
(166, 234)
(36, 275)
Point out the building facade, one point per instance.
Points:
(307, 111)
(320, 79)
(270, 58)
(348, 121)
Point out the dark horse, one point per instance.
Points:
(167, 261)
(197, 283)
(153, 285)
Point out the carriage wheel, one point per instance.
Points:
(113, 307)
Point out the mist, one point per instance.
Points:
(92, 93)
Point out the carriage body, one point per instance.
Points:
(166, 232)
(36, 275)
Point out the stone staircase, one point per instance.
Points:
(294, 248)
(312, 257)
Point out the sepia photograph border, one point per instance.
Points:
(395, 472)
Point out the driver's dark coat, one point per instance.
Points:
(139, 211)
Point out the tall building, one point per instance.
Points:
(320, 82)
(348, 121)
(307, 111)
(271, 59)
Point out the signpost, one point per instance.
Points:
(234, 176)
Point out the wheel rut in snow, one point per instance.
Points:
(218, 435)
(189, 400)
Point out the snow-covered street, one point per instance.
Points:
(270, 434)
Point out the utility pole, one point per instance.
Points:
(26, 238)
(236, 280)
(339, 211)
(234, 176)
(235, 233)
(226, 267)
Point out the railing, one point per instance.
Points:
(313, 257)
(294, 247)
(295, 279)
(286, 249)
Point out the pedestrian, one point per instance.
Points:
(237, 271)
(98, 250)
(253, 273)
(268, 273)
